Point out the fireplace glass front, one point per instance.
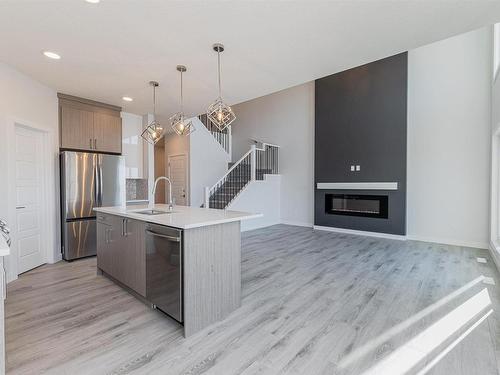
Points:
(357, 205)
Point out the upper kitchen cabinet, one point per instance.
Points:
(108, 133)
(132, 145)
(77, 128)
(89, 126)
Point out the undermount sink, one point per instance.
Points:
(153, 212)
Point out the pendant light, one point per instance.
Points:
(218, 112)
(153, 132)
(179, 123)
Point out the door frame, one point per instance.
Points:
(50, 214)
(186, 171)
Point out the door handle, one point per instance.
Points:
(96, 186)
(100, 185)
(170, 238)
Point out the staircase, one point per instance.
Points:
(260, 160)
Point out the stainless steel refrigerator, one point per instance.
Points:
(88, 180)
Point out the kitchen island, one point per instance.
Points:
(185, 262)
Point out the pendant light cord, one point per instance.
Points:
(154, 102)
(182, 99)
(218, 66)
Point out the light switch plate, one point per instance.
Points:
(481, 260)
(352, 168)
(358, 168)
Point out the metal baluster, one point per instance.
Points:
(271, 166)
(274, 160)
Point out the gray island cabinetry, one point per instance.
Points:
(121, 251)
(186, 263)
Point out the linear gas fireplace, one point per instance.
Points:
(357, 205)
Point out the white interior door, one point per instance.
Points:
(177, 174)
(29, 199)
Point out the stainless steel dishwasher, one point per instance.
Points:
(164, 269)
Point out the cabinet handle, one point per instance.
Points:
(125, 230)
(90, 142)
(95, 144)
(170, 238)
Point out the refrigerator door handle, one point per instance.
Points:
(96, 184)
(100, 184)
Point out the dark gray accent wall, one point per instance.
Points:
(361, 119)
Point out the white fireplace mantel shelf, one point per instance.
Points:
(357, 186)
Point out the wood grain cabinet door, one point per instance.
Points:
(77, 128)
(121, 250)
(110, 240)
(107, 133)
(133, 257)
(104, 255)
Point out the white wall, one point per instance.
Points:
(260, 197)
(448, 141)
(208, 162)
(177, 145)
(495, 153)
(449, 111)
(27, 102)
(285, 118)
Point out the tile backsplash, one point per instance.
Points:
(137, 189)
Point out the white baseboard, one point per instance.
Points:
(444, 241)
(361, 232)
(495, 254)
(296, 223)
(55, 259)
(11, 277)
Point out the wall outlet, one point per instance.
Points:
(358, 168)
(352, 168)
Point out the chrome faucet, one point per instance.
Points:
(170, 205)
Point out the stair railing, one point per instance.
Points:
(252, 166)
(267, 160)
(221, 136)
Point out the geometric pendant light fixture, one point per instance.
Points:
(153, 131)
(180, 124)
(218, 112)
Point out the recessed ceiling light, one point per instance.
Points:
(92, 1)
(51, 55)
(127, 98)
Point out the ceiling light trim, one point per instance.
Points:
(51, 55)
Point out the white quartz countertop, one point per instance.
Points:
(4, 248)
(182, 217)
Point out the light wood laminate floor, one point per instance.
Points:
(313, 303)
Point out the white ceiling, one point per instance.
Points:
(114, 48)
